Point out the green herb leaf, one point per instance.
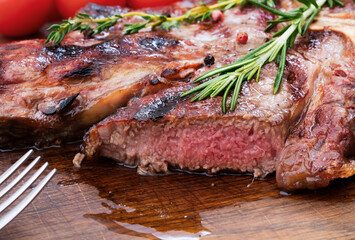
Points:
(134, 28)
(169, 25)
(147, 17)
(277, 12)
(339, 3)
(309, 21)
(280, 71)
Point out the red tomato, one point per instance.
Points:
(148, 3)
(23, 17)
(68, 8)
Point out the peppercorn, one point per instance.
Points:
(217, 16)
(209, 60)
(242, 37)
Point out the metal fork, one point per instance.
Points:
(6, 218)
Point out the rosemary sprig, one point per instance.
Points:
(249, 65)
(91, 26)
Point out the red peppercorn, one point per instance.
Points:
(217, 16)
(242, 37)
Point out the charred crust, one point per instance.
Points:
(81, 72)
(189, 77)
(158, 109)
(169, 72)
(66, 102)
(296, 76)
(181, 70)
(60, 53)
(152, 79)
(48, 109)
(52, 108)
(156, 43)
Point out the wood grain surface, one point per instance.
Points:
(103, 200)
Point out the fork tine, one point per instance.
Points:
(23, 188)
(19, 177)
(27, 200)
(9, 171)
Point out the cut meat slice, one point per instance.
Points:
(163, 129)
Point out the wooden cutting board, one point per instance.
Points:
(103, 200)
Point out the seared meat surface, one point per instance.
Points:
(320, 148)
(305, 133)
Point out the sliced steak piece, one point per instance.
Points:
(320, 148)
(164, 130)
(51, 94)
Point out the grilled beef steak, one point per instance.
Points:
(305, 132)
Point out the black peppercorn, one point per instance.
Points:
(209, 60)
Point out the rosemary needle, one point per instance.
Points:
(250, 64)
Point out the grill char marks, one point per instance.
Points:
(157, 43)
(60, 53)
(139, 45)
(159, 108)
(82, 72)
